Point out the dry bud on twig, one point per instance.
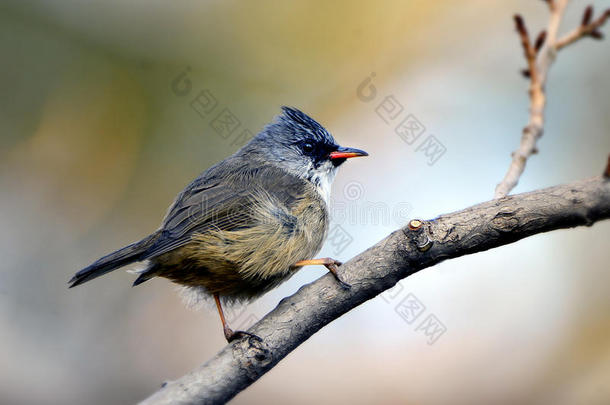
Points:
(540, 40)
(596, 35)
(520, 24)
(586, 17)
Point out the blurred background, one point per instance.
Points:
(108, 110)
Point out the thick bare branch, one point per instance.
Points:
(420, 245)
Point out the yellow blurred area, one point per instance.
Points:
(81, 155)
(95, 142)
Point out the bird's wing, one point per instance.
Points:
(199, 208)
(211, 203)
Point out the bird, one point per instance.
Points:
(249, 222)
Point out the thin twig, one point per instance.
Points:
(587, 28)
(415, 247)
(528, 49)
(539, 64)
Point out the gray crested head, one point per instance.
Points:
(298, 144)
(290, 134)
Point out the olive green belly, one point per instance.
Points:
(240, 265)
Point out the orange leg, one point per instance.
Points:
(230, 335)
(329, 263)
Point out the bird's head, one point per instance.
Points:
(297, 143)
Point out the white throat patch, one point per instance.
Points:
(322, 178)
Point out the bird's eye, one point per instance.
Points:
(308, 147)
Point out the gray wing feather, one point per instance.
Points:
(217, 207)
(212, 203)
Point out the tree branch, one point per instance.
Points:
(539, 60)
(415, 247)
(587, 28)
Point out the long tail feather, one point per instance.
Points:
(113, 261)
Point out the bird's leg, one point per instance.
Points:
(231, 335)
(329, 263)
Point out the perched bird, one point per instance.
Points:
(248, 223)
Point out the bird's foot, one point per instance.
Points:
(232, 335)
(332, 266)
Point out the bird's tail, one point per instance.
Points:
(113, 261)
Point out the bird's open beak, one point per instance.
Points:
(346, 153)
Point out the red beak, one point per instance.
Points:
(346, 153)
